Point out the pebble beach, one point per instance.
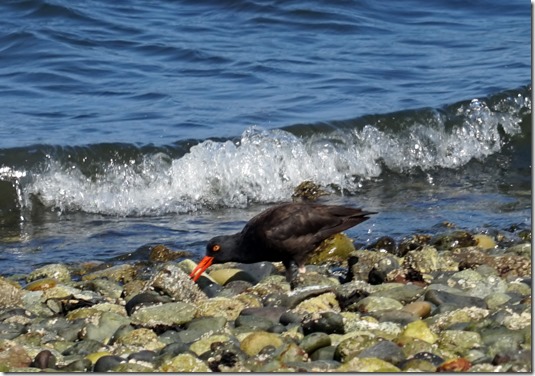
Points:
(453, 302)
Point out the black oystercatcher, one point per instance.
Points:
(288, 232)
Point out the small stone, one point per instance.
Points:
(256, 341)
(203, 345)
(351, 347)
(420, 330)
(385, 350)
(442, 297)
(459, 341)
(107, 363)
(420, 308)
(175, 282)
(315, 341)
(377, 303)
(325, 322)
(10, 294)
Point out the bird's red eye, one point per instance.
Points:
(216, 248)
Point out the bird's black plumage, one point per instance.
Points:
(288, 232)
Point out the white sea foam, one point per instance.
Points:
(265, 165)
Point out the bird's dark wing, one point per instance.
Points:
(309, 222)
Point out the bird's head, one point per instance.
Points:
(219, 249)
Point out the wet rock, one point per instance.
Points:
(41, 284)
(413, 243)
(107, 363)
(315, 341)
(325, 322)
(324, 353)
(105, 287)
(85, 347)
(455, 239)
(147, 356)
(256, 341)
(425, 260)
(445, 298)
(79, 365)
(58, 272)
(385, 244)
(119, 273)
(313, 280)
(204, 345)
(172, 280)
(160, 253)
(396, 316)
(258, 270)
(132, 367)
(168, 314)
(145, 299)
(308, 191)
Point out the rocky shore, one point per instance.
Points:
(457, 301)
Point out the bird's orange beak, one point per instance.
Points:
(201, 267)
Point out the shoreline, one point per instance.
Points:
(457, 301)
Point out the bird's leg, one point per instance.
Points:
(291, 270)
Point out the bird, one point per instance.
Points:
(288, 232)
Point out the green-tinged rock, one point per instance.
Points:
(367, 365)
(523, 249)
(168, 314)
(203, 345)
(228, 308)
(106, 287)
(519, 288)
(314, 341)
(412, 346)
(184, 363)
(459, 341)
(420, 330)
(335, 248)
(377, 303)
(256, 341)
(120, 273)
(497, 300)
(107, 324)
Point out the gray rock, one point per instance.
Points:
(384, 350)
(59, 272)
(176, 283)
(326, 322)
(445, 298)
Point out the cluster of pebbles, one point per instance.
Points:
(452, 302)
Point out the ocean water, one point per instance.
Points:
(127, 124)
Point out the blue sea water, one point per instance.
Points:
(142, 122)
